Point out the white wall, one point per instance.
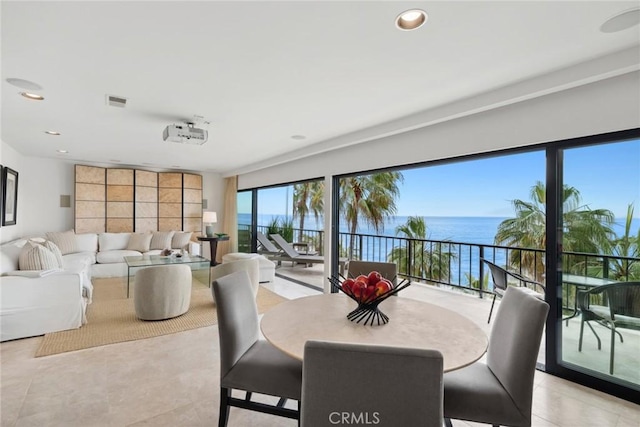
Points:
(42, 181)
(605, 106)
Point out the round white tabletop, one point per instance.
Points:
(411, 324)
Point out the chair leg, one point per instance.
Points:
(223, 418)
(281, 402)
(594, 333)
(491, 311)
(612, 352)
(581, 331)
(248, 396)
(447, 422)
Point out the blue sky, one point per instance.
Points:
(607, 176)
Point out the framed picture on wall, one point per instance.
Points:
(9, 196)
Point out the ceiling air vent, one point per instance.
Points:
(116, 101)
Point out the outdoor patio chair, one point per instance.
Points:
(266, 247)
(500, 282)
(388, 270)
(282, 243)
(379, 385)
(500, 390)
(292, 255)
(247, 362)
(615, 306)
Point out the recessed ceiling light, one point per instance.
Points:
(175, 166)
(411, 19)
(51, 132)
(33, 96)
(24, 84)
(298, 137)
(114, 161)
(62, 151)
(621, 21)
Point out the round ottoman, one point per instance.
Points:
(162, 292)
(267, 268)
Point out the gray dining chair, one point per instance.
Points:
(251, 266)
(365, 384)
(247, 362)
(388, 270)
(500, 391)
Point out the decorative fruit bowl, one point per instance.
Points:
(368, 291)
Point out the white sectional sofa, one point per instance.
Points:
(35, 302)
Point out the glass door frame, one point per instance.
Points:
(554, 225)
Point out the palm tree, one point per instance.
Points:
(308, 196)
(420, 258)
(368, 198)
(626, 246)
(585, 230)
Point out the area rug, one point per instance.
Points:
(111, 318)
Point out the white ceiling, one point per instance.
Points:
(264, 71)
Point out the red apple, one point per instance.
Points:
(363, 278)
(383, 286)
(358, 289)
(347, 285)
(374, 277)
(368, 294)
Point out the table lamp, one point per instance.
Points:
(209, 218)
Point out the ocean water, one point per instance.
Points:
(470, 229)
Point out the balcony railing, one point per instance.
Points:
(456, 264)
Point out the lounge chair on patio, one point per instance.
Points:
(281, 242)
(294, 256)
(266, 246)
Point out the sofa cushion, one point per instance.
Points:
(110, 257)
(9, 255)
(181, 239)
(139, 242)
(113, 241)
(65, 241)
(87, 242)
(87, 258)
(55, 250)
(161, 240)
(36, 257)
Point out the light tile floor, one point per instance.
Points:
(172, 380)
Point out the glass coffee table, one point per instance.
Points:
(196, 262)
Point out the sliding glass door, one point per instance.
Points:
(599, 190)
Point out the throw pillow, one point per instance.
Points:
(55, 250)
(65, 241)
(139, 242)
(181, 239)
(36, 257)
(161, 240)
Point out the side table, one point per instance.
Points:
(213, 245)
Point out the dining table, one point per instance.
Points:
(412, 323)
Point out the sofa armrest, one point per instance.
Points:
(33, 273)
(19, 292)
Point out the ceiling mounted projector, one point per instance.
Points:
(185, 134)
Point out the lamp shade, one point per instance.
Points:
(209, 217)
